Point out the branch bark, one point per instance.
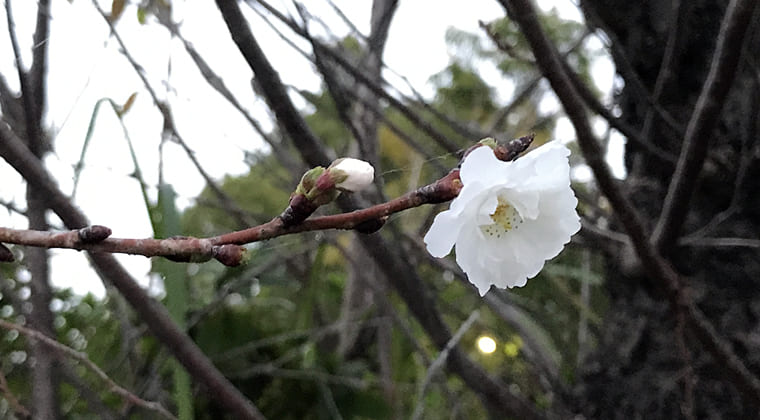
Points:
(45, 378)
(153, 313)
(667, 280)
(703, 120)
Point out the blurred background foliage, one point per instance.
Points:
(277, 326)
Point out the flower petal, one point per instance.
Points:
(472, 262)
(482, 166)
(442, 234)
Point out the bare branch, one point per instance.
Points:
(218, 84)
(374, 87)
(63, 349)
(679, 11)
(667, 278)
(625, 68)
(202, 249)
(437, 364)
(269, 82)
(153, 313)
(706, 113)
(170, 126)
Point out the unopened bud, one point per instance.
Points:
(93, 234)
(231, 255)
(351, 174)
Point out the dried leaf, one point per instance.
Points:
(127, 105)
(117, 7)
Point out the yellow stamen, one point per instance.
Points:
(505, 218)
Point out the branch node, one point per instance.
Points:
(230, 255)
(93, 234)
(508, 151)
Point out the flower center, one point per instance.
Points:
(505, 218)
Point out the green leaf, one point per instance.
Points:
(142, 15)
(165, 219)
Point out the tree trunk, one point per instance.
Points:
(638, 369)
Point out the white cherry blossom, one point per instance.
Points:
(509, 217)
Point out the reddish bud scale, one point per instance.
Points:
(229, 254)
(325, 182)
(5, 254)
(298, 210)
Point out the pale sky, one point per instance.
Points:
(86, 65)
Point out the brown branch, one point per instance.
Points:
(203, 249)
(271, 85)
(153, 313)
(723, 68)
(679, 13)
(440, 138)
(670, 281)
(44, 375)
(222, 247)
(591, 101)
(62, 349)
(625, 68)
(39, 59)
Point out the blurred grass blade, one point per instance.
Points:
(120, 111)
(165, 219)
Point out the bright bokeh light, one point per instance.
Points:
(486, 344)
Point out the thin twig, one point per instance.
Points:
(590, 99)
(170, 126)
(439, 361)
(626, 69)
(679, 12)
(375, 88)
(721, 242)
(218, 84)
(63, 349)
